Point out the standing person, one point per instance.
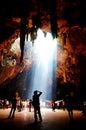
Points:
(36, 105)
(13, 107)
(69, 104)
(53, 105)
(30, 104)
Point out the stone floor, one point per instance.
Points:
(57, 120)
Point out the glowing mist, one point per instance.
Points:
(43, 75)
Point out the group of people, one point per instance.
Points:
(36, 104)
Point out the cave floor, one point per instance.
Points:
(52, 120)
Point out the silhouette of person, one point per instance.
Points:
(13, 107)
(53, 105)
(36, 105)
(69, 105)
(30, 104)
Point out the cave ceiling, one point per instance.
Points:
(65, 19)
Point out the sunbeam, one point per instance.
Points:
(44, 67)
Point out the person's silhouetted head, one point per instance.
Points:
(35, 92)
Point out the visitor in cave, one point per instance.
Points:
(36, 105)
(13, 107)
(70, 104)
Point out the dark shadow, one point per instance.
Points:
(7, 118)
(34, 125)
(77, 124)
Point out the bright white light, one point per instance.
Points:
(43, 73)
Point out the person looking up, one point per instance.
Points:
(36, 105)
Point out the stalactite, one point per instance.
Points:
(53, 18)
